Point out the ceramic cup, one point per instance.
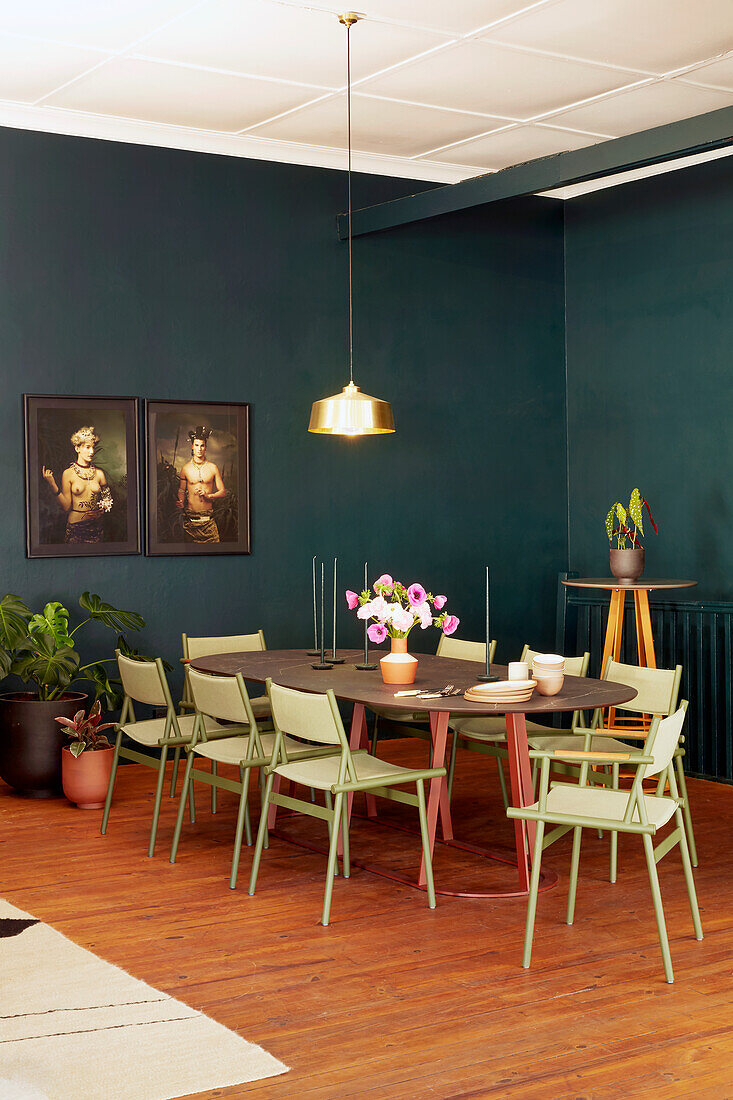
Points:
(518, 670)
(548, 683)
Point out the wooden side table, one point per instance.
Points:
(615, 626)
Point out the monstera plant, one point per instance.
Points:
(41, 649)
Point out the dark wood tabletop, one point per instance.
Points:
(613, 582)
(292, 668)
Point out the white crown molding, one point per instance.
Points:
(53, 120)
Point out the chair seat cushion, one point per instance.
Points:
(491, 728)
(599, 802)
(233, 750)
(322, 772)
(409, 716)
(575, 741)
(150, 731)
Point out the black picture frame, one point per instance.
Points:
(113, 528)
(178, 530)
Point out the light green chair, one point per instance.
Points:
(145, 682)
(244, 745)
(333, 768)
(458, 649)
(657, 693)
(487, 735)
(193, 648)
(578, 806)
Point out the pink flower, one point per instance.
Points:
(352, 599)
(440, 602)
(387, 583)
(416, 594)
(450, 624)
(365, 611)
(402, 619)
(377, 633)
(425, 615)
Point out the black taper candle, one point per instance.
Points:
(366, 667)
(487, 677)
(333, 658)
(323, 663)
(315, 651)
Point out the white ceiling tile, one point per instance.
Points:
(654, 35)
(719, 73)
(105, 24)
(133, 88)
(479, 76)
(521, 143)
(452, 18)
(30, 70)
(377, 126)
(642, 108)
(285, 43)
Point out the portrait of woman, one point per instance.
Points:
(81, 476)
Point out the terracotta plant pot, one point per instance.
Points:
(86, 777)
(31, 742)
(627, 565)
(398, 667)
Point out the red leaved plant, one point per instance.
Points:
(85, 731)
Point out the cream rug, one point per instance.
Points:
(74, 1027)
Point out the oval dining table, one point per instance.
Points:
(365, 689)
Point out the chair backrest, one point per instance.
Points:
(657, 689)
(220, 696)
(574, 666)
(225, 643)
(306, 715)
(662, 741)
(144, 681)
(463, 650)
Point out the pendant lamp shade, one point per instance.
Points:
(350, 412)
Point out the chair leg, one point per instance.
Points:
(682, 784)
(191, 804)
(261, 834)
(331, 869)
(187, 783)
(430, 885)
(213, 788)
(502, 782)
(174, 777)
(534, 886)
(111, 784)
(658, 909)
(346, 857)
(158, 797)
(242, 819)
(614, 835)
(689, 878)
(573, 884)
(452, 766)
(244, 778)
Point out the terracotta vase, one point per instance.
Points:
(627, 565)
(86, 777)
(398, 667)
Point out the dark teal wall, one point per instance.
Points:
(158, 273)
(649, 270)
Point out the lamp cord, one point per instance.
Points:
(348, 142)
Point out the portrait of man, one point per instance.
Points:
(81, 476)
(198, 478)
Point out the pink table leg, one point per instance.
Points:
(359, 739)
(522, 791)
(438, 790)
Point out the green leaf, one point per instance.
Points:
(54, 621)
(111, 616)
(49, 666)
(76, 748)
(635, 510)
(105, 686)
(14, 617)
(621, 513)
(609, 525)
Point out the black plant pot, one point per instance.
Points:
(31, 742)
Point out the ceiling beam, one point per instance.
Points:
(676, 139)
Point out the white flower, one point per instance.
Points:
(365, 611)
(424, 614)
(402, 619)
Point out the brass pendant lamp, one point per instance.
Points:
(350, 412)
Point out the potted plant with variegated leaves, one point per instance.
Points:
(87, 762)
(625, 526)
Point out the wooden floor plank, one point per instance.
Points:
(393, 999)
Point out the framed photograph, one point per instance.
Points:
(197, 477)
(81, 476)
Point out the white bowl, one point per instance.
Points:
(550, 683)
(549, 660)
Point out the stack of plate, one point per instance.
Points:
(503, 691)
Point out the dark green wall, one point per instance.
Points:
(649, 276)
(158, 273)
